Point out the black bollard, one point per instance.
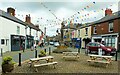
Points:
(35, 53)
(49, 51)
(1, 52)
(19, 59)
(45, 50)
(116, 56)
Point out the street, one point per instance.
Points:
(31, 54)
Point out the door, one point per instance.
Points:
(15, 43)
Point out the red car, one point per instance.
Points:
(94, 46)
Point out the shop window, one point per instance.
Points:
(94, 30)
(110, 42)
(18, 30)
(111, 27)
(2, 41)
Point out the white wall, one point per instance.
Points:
(8, 28)
(33, 33)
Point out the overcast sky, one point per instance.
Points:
(51, 13)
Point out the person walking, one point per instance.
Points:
(23, 46)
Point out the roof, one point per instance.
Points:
(113, 16)
(13, 18)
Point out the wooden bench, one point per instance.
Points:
(99, 61)
(45, 64)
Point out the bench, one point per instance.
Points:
(45, 64)
(99, 61)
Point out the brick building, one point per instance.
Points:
(107, 29)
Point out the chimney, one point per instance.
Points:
(28, 19)
(11, 11)
(108, 12)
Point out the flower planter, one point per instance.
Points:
(41, 55)
(7, 68)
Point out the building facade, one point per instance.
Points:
(13, 31)
(84, 33)
(106, 30)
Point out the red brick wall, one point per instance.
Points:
(103, 28)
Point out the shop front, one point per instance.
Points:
(30, 41)
(17, 42)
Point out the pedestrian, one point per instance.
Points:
(35, 46)
(103, 42)
(23, 45)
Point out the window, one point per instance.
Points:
(94, 30)
(110, 41)
(18, 30)
(111, 27)
(2, 41)
(86, 29)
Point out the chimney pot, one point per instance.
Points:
(11, 11)
(108, 12)
(28, 19)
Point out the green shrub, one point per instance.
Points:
(7, 60)
(42, 53)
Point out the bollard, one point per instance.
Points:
(116, 56)
(49, 51)
(35, 53)
(1, 52)
(78, 50)
(19, 59)
(45, 50)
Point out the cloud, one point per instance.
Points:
(61, 8)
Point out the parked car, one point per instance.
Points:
(51, 43)
(56, 44)
(94, 46)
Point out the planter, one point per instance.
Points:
(41, 55)
(7, 68)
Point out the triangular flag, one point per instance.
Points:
(94, 2)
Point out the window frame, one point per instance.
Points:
(86, 31)
(18, 29)
(94, 28)
(2, 41)
(111, 23)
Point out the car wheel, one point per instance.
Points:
(112, 54)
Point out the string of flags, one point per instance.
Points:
(76, 17)
(86, 16)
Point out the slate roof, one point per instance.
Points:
(113, 16)
(13, 18)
